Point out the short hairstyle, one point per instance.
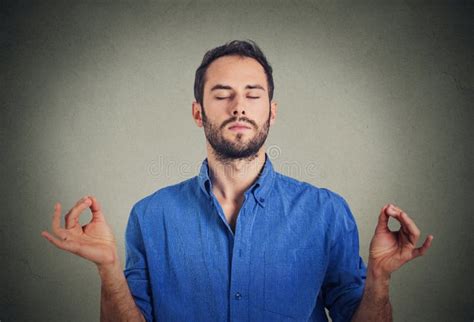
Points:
(243, 48)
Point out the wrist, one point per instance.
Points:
(375, 273)
(377, 280)
(110, 269)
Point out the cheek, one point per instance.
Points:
(215, 112)
(262, 116)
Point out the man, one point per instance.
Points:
(240, 241)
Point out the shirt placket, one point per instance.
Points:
(240, 274)
(240, 257)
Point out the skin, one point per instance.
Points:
(388, 252)
(230, 179)
(96, 243)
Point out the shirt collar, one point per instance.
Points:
(260, 189)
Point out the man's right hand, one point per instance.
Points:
(93, 241)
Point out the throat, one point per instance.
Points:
(231, 211)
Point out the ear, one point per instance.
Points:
(196, 112)
(273, 112)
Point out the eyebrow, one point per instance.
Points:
(221, 86)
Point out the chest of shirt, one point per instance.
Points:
(278, 254)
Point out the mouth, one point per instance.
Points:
(238, 127)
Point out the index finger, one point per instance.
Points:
(406, 222)
(73, 215)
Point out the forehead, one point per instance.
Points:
(235, 71)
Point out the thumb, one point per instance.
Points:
(96, 209)
(382, 224)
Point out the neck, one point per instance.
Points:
(230, 179)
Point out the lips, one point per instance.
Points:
(238, 126)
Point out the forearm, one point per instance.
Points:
(375, 304)
(116, 302)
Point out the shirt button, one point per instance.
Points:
(262, 199)
(238, 296)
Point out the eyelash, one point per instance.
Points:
(251, 97)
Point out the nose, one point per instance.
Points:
(239, 107)
(236, 112)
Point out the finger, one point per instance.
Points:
(56, 223)
(96, 209)
(72, 217)
(394, 207)
(408, 225)
(382, 224)
(53, 240)
(420, 251)
(393, 210)
(61, 244)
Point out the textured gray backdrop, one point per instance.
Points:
(375, 103)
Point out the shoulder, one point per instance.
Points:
(295, 188)
(166, 196)
(323, 201)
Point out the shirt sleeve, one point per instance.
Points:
(136, 271)
(344, 282)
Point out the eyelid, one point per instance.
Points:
(225, 97)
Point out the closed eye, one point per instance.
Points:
(223, 98)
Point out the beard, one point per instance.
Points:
(227, 150)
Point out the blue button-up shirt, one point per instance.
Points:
(295, 251)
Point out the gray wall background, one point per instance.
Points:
(375, 103)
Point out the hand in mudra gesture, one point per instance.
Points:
(389, 250)
(93, 241)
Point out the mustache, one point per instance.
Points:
(236, 119)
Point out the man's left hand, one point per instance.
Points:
(391, 249)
